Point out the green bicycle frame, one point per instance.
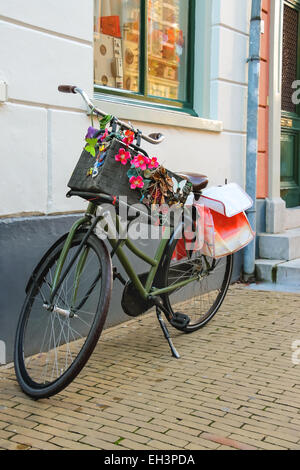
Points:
(144, 291)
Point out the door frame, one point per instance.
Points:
(275, 206)
(290, 126)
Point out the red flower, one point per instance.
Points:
(104, 135)
(140, 162)
(123, 156)
(129, 137)
(153, 163)
(136, 182)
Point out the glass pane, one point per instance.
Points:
(116, 43)
(167, 48)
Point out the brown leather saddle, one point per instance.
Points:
(198, 181)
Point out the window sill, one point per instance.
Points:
(148, 114)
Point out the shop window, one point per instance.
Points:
(143, 49)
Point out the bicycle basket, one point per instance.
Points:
(115, 170)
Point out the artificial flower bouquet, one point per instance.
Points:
(110, 163)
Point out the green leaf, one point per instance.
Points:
(104, 121)
(91, 150)
(92, 142)
(146, 184)
(132, 172)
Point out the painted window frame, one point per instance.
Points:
(140, 98)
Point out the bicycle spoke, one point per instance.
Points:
(61, 335)
(199, 298)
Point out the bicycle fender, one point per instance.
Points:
(43, 259)
(175, 235)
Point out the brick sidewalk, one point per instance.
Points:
(235, 386)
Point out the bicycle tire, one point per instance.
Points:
(97, 292)
(214, 304)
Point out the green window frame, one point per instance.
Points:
(142, 98)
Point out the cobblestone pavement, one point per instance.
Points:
(235, 386)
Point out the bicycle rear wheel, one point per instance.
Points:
(51, 347)
(201, 299)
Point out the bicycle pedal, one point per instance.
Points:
(180, 320)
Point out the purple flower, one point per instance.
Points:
(91, 132)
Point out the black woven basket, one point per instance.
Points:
(112, 177)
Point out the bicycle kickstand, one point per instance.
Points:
(166, 333)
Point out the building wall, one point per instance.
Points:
(263, 133)
(44, 44)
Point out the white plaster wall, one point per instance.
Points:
(67, 132)
(218, 155)
(233, 14)
(43, 44)
(229, 79)
(23, 136)
(73, 18)
(35, 63)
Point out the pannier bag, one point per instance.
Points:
(225, 235)
(226, 226)
(222, 225)
(228, 200)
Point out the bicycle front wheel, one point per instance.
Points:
(52, 346)
(201, 299)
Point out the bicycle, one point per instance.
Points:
(69, 291)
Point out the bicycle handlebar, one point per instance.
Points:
(155, 138)
(67, 89)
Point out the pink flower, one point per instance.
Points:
(141, 162)
(123, 157)
(129, 137)
(153, 163)
(136, 182)
(103, 137)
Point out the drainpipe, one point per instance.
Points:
(252, 128)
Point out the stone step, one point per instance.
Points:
(266, 269)
(289, 273)
(292, 218)
(283, 246)
(285, 273)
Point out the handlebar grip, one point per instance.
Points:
(67, 89)
(156, 136)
